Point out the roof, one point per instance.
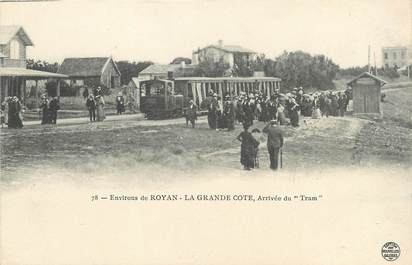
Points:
(395, 48)
(177, 69)
(8, 32)
(366, 74)
(230, 48)
(85, 67)
(188, 70)
(160, 68)
(244, 79)
(135, 81)
(23, 72)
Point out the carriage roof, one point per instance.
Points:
(157, 80)
(236, 79)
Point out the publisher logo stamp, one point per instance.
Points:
(391, 251)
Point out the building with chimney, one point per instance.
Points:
(228, 54)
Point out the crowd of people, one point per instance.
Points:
(12, 108)
(277, 109)
(285, 108)
(11, 112)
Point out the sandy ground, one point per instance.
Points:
(358, 170)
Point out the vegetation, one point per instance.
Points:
(179, 60)
(65, 89)
(209, 68)
(302, 69)
(131, 69)
(42, 66)
(294, 68)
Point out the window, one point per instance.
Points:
(385, 55)
(394, 55)
(216, 58)
(403, 55)
(14, 49)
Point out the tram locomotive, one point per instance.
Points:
(161, 98)
(158, 99)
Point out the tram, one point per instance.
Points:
(161, 98)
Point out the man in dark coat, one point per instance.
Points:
(248, 109)
(293, 113)
(45, 107)
(91, 106)
(191, 114)
(54, 106)
(274, 142)
(211, 112)
(240, 114)
(229, 114)
(342, 104)
(334, 105)
(120, 103)
(272, 109)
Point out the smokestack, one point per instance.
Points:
(220, 43)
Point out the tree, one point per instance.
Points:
(209, 68)
(179, 60)
(131, 69)
(353, 71)
(42, 66)
(301, 69)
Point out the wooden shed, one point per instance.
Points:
(366, 89)
(92, 71)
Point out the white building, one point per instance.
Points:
(399, 56)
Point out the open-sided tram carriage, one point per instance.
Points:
(161, 98)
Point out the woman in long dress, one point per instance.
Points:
(14, 114)
(5, 111)
(248, 149)
(100, 108)
(316, 114)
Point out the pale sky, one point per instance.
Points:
(160, 30)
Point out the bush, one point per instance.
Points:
(390, 73)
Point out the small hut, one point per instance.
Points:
(366, 89)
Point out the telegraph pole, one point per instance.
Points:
(369, 58)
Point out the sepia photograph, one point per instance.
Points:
(205, 132)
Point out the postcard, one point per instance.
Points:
(206, 132)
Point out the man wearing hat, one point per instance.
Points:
(274, 142)
(45, 107)
(191, 114)
(120, 103)
(229, 114)
(91, 106)
(211, 114)
(240, 115)
(54, 106)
